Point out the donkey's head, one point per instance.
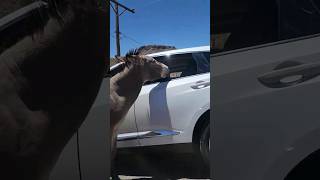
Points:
(149, 68)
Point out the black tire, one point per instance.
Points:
(306, 169)
(204, 144)
(201, 142)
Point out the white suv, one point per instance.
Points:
(173, 110)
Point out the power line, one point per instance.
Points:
(132, 39)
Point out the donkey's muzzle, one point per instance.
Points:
(165, 71)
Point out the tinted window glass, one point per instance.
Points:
(202, 62)
(299, 18)
(183, 65)
(245, 23)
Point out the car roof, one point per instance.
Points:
(181, 51)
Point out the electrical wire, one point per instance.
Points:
(132, 39)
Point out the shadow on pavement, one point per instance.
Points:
(165, 162)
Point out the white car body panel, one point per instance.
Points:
(258, 132)
(169, 107)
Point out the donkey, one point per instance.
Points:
(126, 85)
(52, 62)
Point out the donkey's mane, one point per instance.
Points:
(131, 55)
(149, 49)
(133, 52)
(145, 50)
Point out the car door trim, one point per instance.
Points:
(147, 134)
(265, 45)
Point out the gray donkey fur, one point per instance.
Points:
(126, 85)
(49, 78)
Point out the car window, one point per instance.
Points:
(299, 18)
(246, 23)
(243, 23)
(183, 65)
(202, 61)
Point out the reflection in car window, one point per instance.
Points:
(183, 65)
(299, 18)
(203, 62)
(246, 23)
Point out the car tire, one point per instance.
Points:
(201, 140)
(306, 169)
(204, 144)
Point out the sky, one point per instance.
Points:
(179, 23)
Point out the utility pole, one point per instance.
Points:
(117, 30)
(116, 11)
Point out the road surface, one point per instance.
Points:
(160, 163)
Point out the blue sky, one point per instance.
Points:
(179, 23)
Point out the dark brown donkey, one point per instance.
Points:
(126, 85)
(52, 61)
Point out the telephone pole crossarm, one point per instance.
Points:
(123, 6)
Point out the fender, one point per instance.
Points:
(195, 119)
(299, 150)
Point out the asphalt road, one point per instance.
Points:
(160, 163)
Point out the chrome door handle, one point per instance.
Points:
(201, 85)
(291, 75)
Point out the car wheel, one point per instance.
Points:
(204, 143)
(306, 169)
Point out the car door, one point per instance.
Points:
(266, 96)
(128, 132)
(165, 109)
